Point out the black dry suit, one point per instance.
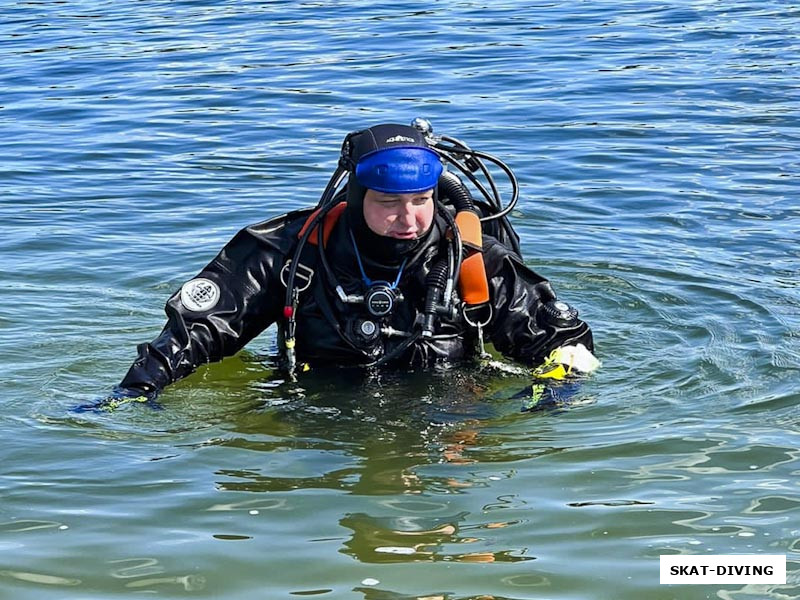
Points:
(242, 292)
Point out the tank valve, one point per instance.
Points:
(423, 126)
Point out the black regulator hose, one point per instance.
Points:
(504, 167)
(407, 343)
(435, 282)
(457, 244)
(458, 194)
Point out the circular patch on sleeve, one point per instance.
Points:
(199, 295)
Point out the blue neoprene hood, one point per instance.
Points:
(399, 170)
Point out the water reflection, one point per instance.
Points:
(377, 428)
(393, 539)
(378, 594)
(407, 440)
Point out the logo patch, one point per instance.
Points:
(199, 295)
(399, 138)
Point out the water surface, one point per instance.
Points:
(657, 147)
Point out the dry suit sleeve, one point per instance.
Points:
(520, 327)
(214, 315)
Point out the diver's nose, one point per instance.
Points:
(407, 216)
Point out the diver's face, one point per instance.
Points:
(399, 216)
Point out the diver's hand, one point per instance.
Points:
(567, 361)
(556, 380)
(118, 397)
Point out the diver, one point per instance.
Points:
(398, 264)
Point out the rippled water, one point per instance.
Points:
(657, 146)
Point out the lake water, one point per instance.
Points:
(658, 149)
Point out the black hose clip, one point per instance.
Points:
(472, 163)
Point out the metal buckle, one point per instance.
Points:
(479, 326)
(464, 311)
(303, 273)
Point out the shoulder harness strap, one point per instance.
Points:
(472, 281)
(305, 271)
(327, 224)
